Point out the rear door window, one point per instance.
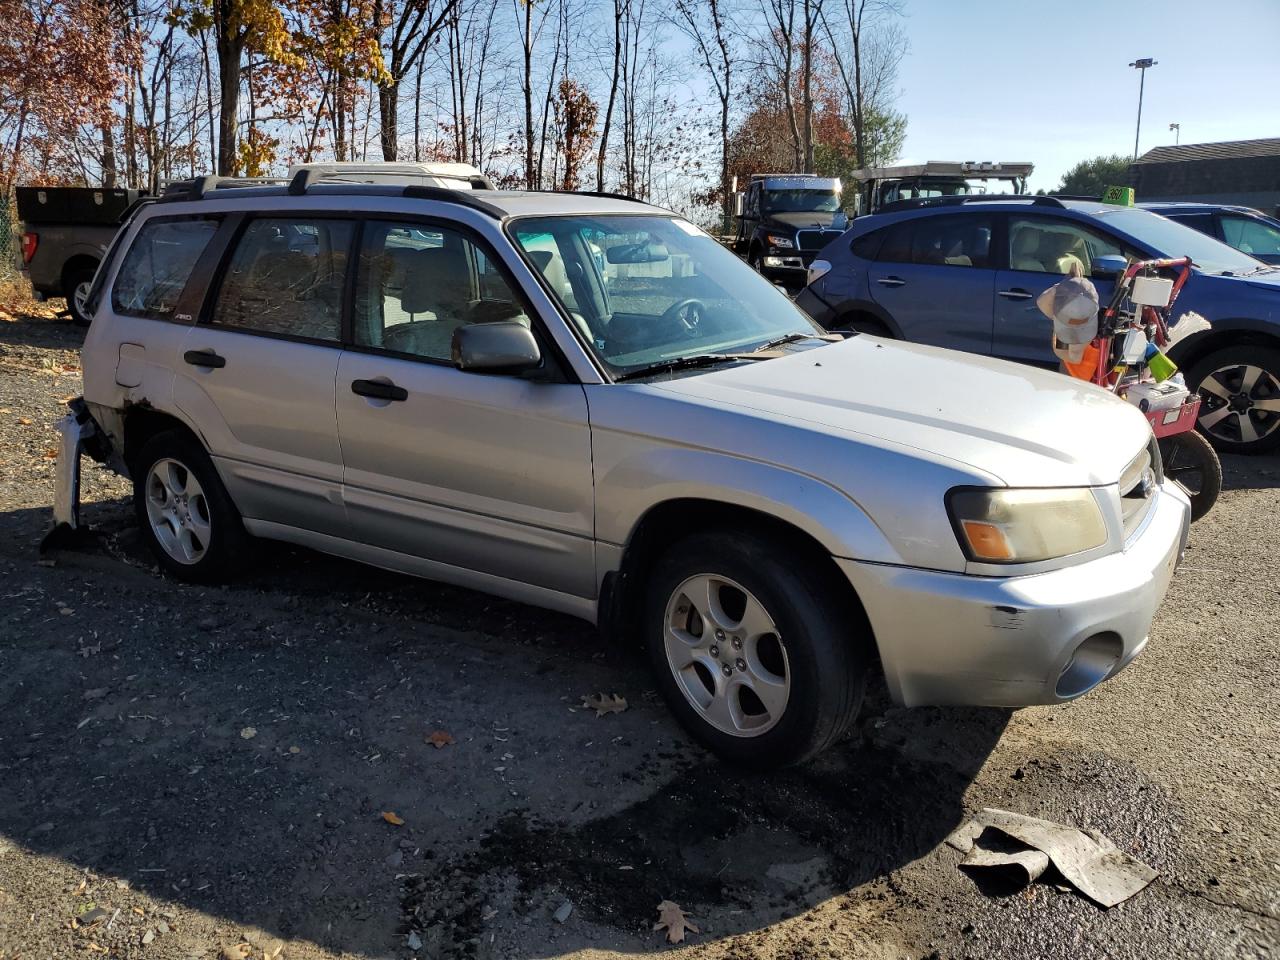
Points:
(957, 241)
(287, 278)
(159, 263)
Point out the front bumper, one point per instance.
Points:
(947, 638)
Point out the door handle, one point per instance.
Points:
(891, 282)
(1017, 293)
(378, 390)
(204, 358)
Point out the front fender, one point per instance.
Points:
(631, 487)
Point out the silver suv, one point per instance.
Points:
(587, 403)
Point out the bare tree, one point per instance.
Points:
(620, 8)
(780, 19)
(869, 45)
(707, 24)
(413, 27)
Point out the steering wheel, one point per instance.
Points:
(688, 312)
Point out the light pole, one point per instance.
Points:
(1177, 132)
(1142, 66)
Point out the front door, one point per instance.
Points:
(933, 276)
(258, 371)
(487, 473)
(1042, 250)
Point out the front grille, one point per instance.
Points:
(1138, 485)
(816, 239)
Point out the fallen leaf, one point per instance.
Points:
(673, 918)
(240, 951)
(248, 733)
(51, 453)
(392, 818)
(440, 739)
(25, 421)
(602, 704)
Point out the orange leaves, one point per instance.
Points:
(440, 739)
(393, 818)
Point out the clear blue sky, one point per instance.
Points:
(1050, 82)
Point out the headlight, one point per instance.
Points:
(1023, 526)
(777, 241)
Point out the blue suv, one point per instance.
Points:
(964, 273)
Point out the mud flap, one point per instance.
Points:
(76, 431)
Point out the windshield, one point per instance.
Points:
(800, 201)
(647, 290)
(1170, 239)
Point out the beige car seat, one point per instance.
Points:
(1026, 241)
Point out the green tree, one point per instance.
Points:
(1089, 178)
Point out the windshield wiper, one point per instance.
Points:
(685, 363)
(787, 338)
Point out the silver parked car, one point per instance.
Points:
(588, 404)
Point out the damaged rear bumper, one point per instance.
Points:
(78, 433)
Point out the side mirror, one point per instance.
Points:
(1109, 267)
(504, 346)
(738, 203)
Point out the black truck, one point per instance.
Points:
(65, 232)
(784, 219)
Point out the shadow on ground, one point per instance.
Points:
(233, 750)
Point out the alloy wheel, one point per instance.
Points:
(727, 655)
(178, 511)
(1240, 403)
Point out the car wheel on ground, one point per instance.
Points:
(1239, 391)
(186, 516)
(753, 648)
(1189, 461)
(77, 288)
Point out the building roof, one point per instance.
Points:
(1228, 150)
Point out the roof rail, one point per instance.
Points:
(463, 198)
(919, 202)
(309, 177)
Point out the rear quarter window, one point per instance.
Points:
(155, 271)
(867, 246)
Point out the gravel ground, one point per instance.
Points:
(205, 768)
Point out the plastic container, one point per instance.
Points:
(1148, 396)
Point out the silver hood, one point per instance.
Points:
(1025, 426)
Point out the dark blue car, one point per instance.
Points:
(964, 273)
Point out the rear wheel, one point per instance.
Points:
(755, 649)
(76, 287)
(1239, 391)
(186, 516)
(1189, 461)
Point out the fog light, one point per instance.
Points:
(773, 261)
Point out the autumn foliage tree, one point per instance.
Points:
(575, 117)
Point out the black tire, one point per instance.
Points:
(1226, 370)
(822, 645)
(224, 546)
(755, 260)
(1189, 460)
(80, 278)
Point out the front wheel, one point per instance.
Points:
(757, 651)
(1190, 462)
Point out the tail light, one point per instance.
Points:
(29, 243)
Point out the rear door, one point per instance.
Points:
(1038, 252)
(933, 277)
(487, 473)
(257, 371)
